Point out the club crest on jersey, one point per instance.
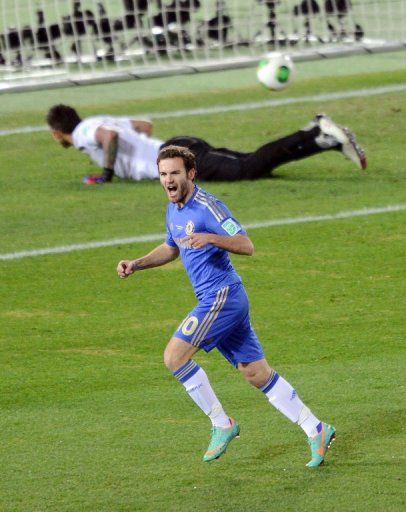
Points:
(190, 227)
(231, 227)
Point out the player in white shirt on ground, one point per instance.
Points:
(125, 147)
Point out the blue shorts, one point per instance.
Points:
(222, 321)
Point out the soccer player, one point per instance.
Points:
(201, 229)
(125, 148)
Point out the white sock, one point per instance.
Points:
(284, 398)
(199, 389)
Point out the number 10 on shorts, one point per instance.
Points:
(189, 325)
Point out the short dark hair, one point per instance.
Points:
(173, 151)
(63, 118)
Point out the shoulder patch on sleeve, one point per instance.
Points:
(231, 227)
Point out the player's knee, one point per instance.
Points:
(254, 378)
(255, 374)
(172, 360)
(168, 359)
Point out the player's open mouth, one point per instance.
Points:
(171, 190)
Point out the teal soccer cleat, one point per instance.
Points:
(220, 439)
(320, 444)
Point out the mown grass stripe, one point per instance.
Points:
(220, 109)
(160, 236)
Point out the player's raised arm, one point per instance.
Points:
(161, 255)
(237, 244)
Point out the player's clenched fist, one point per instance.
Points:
(125, 268)
(199, 240)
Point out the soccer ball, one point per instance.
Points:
(276, 71)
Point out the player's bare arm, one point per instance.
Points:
(142, 126)
(108, 139)
(161, 255)
(237, 244)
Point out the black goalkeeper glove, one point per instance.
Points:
(107, 174)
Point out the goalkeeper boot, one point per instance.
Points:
(320, 444)
(334, 136)
(220, 439)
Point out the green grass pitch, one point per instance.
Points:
(90, 418)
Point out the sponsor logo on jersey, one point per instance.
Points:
(182, 242)
(231, 227)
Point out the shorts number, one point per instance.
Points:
(189, 325)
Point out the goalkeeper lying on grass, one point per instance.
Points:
(125, 147)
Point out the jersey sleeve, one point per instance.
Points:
(168, 238)
(85, 134)
(219, 220)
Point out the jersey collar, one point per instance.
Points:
(192, 197)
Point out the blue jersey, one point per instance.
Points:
(209, 268)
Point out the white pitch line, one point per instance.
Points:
(220, 109)
(160, 236)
